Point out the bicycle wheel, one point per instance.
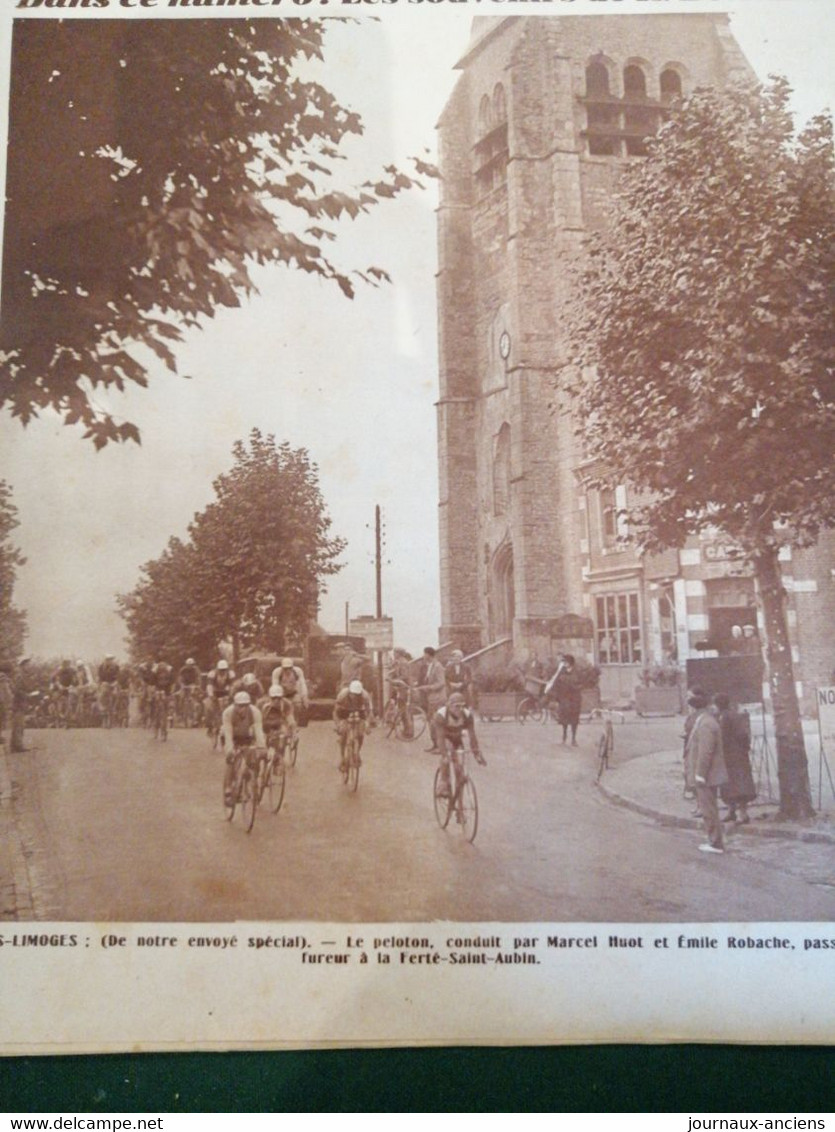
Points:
(467, 809)
(276, 780)
(410, 724)
(353, 778)
(230, 790)
(248, 796)
(391, 715)
(529, 710)
(441, 798)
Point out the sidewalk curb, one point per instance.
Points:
(751, 830)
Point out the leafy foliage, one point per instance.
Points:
(252, 569)
(12, 620)
(706, 311)
(185, 152)
(703, 338)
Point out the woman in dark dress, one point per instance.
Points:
(569, 696)
(739, 790)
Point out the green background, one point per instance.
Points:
(681, 1078)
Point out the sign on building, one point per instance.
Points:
(377, 631)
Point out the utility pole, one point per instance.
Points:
(378, 565)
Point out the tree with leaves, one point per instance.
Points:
(702, 334)
(12, 620)
(151, 163)
(253, 568)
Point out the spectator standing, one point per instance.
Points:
(431, 690)
(569, 696)
(458, 677)
(706, 769)
(739, 790)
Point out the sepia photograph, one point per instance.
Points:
(417, 537)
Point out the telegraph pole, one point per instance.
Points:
(378, 566)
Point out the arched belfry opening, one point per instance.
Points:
(502, 592)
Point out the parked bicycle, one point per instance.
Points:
(605, 748)
(402, 717)
(454, 792)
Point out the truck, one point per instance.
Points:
(321, 665)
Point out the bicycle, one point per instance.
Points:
(215, 714)
(187, 706)
(243, 784)
(402, 717)
(106, 704)
(605, 748)
(351, 761)
(160, 715)
(454, 792)
(273, 777)
(121, 709)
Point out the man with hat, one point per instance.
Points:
(705, 767)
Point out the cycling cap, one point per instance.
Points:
(456, 654)
(222, 664)
(110, 656)
(356, 687)
(242, 698)
(276, 690)
(286, 662)
(249, 678)
(190, 660)
(456, 700)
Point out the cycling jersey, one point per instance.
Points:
(164, 677)
(349, 702)
(108, 672)
(189, 675)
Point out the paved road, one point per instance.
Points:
(120, 827)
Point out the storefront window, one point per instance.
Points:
(618, 629)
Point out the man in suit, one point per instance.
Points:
(706, 772)
(431, 690)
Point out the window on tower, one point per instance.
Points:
(490, 152)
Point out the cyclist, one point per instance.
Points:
(251, 685)
(188, 679)
(242, 726)
(146, 675)
(291, 678)
(108, 681)
(450, 723)
(218, 691)
(276, 712)
(163, 682)
(353, 700)
(63, 681)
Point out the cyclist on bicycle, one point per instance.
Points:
(353, 700)
(189, 676)
(276, 711)
(108, 682)
(291, 678)
(450, 723)
(218, 691)
(251, 685)
(242, 726)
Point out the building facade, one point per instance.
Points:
(545, 113)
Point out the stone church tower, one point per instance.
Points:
(546, 111)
